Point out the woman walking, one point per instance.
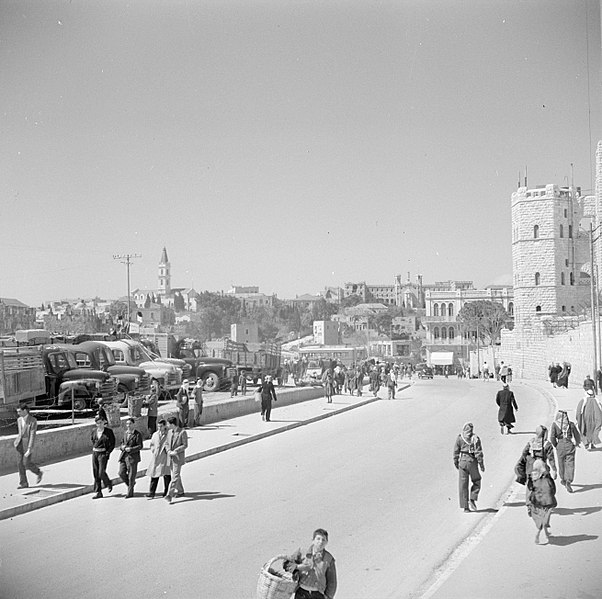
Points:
(468, 458)
(541, 498)
(158, 463)
(565, 438)
(328, 381)
(589, 419)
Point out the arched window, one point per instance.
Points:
(561, 231)
(537, 278)
(450, 309)
(564, 308)
(436, 310)
(443, 310)
(537, 308)
(443, 333)
(562, 278)
(452, 333)
(436, 332)
(511, 308)
(572, 278)
(536, 232)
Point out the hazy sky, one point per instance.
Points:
(284, 144)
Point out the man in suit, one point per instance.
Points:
(267, 394)
(130, 456)
(27, 427)
(103, 443)
(177, 442)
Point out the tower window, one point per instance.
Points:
(570, 231)
(564, 308)
(537, 278)
(565, 213)
(566, 262)
(536, 232)
(537, 308)
(561, 231)
(572, 278)
(511, 308)
(562, 278)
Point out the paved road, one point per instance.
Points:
(379, 478)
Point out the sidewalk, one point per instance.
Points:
(73, 477)
(501, 559)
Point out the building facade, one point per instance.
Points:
(15, 315)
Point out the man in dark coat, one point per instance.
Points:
(505, 400)
(267, 394)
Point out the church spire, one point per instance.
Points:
(164, 258)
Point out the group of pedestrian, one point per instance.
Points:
(548, 455)
(559, 375)
(168, 446)
(190, 393)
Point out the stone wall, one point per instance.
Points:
(531, 350)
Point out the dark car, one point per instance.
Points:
(64, 380)
(131, 380)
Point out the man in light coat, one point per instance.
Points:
(177, 442)
(24, 443)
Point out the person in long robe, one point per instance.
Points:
(565, 438)
(589, 419)
(507, 404)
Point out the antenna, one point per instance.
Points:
(526, 176)
(518, 178)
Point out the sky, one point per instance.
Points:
(291, 145)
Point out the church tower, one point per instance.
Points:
(164, 274)
(548, 252)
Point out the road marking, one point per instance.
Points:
(462, 551)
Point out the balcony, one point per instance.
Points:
(427, 319)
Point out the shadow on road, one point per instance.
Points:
(583, 511)
(571, 540)
(488, 510)
(61, 486)
(201, 495)
(272, 420)
(514, 504)
(584, 488)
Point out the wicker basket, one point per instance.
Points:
(272, 586)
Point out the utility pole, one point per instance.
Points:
(127, 260)
(593, 297)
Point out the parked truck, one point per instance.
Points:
(22, 378)
(65, 380)
(256, 360)
(133, 353)
(131, 380)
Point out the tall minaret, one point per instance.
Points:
(164, 274)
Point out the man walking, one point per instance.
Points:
(27, 427)
(468, 458)
(267, 394)
(507, 404)
(242, 382)
(391, 384)
(197, 393)
(103, 443)
(183, 403)
(177, 442)
(152, 404)
(130, 456)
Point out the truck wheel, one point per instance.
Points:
(211, 382)
(79, 404)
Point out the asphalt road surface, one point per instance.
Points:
(379, 478)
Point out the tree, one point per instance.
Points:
(350, 301)
(147, 303)
(485, 317)
(178, 302)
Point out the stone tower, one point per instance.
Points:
(164, 274)
(548, 252)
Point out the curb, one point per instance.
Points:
(85, 489)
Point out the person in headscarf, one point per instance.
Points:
(536, 448)
(541, 498)
(468, 458)
(565, 437)
(589, 419)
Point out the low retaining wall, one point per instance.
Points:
(59, 444)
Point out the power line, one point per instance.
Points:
(127, 260)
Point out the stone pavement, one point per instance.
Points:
(73, 477)
(500, 559)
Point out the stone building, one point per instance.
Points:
(15, 315)
(549, 252)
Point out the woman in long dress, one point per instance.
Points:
(589, 419)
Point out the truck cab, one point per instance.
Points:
(65, 380)
(212, 371)
(127, 352)
(131, 380)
